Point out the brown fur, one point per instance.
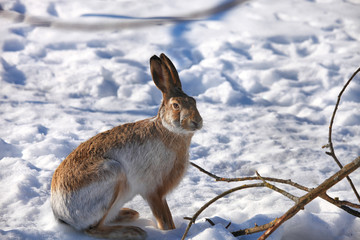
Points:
(126, 215)
(174, 126)
(82, 166)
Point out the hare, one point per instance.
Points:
(148, 157)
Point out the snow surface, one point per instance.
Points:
(266, 76)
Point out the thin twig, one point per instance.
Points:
(332, 150)
(319, 191)
(273, 187)
(283, 181)
(341, 204)
(322, 188)
(210, 221)
(338, 202)
(344, 205)
(227, 226)
(278, 180)
(204, 171)
(196, 215)
(254, 229)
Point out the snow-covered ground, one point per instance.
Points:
(266, 77)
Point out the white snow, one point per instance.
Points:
(266, 76)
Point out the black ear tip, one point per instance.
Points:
(163, 56)
(154, 58)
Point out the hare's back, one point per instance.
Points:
(101, 156)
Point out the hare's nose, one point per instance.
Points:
(197, 125)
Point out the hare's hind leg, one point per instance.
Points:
(105, 229)
(126, 215)
(117, 232)
(110, 231)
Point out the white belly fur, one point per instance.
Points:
(144, 165)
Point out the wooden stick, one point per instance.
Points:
(223, 179)
(256, 229)
(326, 197)
(195, 216)
(332, 150)
(338, 203)
(273, 187)
(322, 188)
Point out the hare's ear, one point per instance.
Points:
(173, 71)
(164, 74)
(159, 74)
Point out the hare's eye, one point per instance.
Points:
(176, 106)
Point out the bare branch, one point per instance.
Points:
(330, 144)
(254, 229)
(278, 180)
(322, 188)
(340, 204)
(319, 191)
(204, 171)
(344, 205)
(210, 221)
(273, 187)
(299, 201)
(196, 215)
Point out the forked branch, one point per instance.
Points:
(330, 144)
(301, 202)
(336, 202)
(345, 205)
(195, 216)
(321, 189)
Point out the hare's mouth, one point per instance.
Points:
(185, 126)
(191, 125)
(195, 125)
